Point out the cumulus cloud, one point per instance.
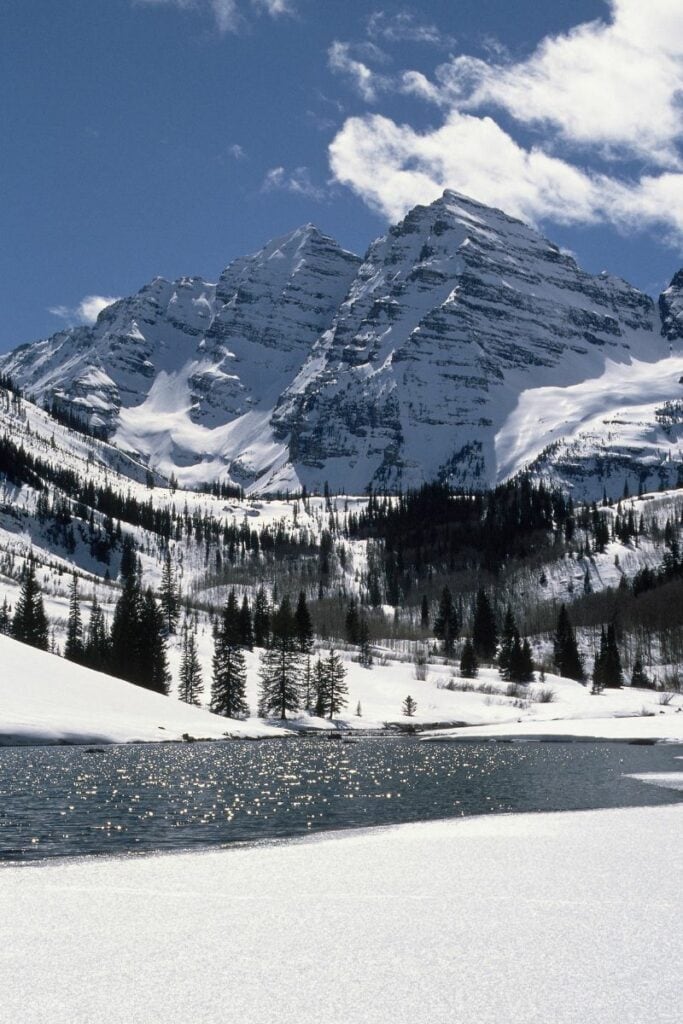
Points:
(87, 310)
(229, 15)
(603, 93)
(298, 182)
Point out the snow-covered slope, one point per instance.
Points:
(44, 699)
(433, 357)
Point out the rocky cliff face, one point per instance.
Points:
(304, 364)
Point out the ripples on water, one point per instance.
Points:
(60, 801)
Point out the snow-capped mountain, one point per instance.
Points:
(464, 346)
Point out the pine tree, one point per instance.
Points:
(509, 636)
(190, 685)
(320, 688)
(469, 664)
(246, 628)
(304, 625)
(126, 639)
(409, 706)
(261, 619)
(74, 648)
(97, 647)
(228, 690)
(30, 624)
(612, 675)
(446, 624)
(521, 665)
(5, 620)
(281, 666)
(153, 671)
(352, 622)
(335, 688)
(639, 676)
(566, 652)
(168, 595)
(424, 612)
(484, 631)
(364, 648)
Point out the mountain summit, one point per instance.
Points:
(305, 364)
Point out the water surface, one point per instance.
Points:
(64, 801)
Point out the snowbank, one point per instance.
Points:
(549, 917)
(44, 699)
(655, 728)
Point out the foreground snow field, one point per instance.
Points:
(536, 919)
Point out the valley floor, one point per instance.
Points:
(526, 918)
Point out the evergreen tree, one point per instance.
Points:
(469, 664)
(352, 623)
(168, 595)
(446, 624)
(566, 652)
(484, 631)
(5, 620)
(246, 628)
(228, 695)
(30, 624)
(190, 684)
(509, 636)
(335, 688)
(304, 625)
(126, 639)
(521, 665)
(97, 649)
(320, 687)
(409, 706)
(153, 671)
(639, 676)
(261, 619)
(364, 648)
(608, 671)
(281, 666)
(73, 648)
(424, 612)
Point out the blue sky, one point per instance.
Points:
(145, 137)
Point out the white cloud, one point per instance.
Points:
(615, 84)
(298, 182)
(237, 152)
(605, 92)
(403, 26)
(344, 58)
(229, 15)
(87, 310)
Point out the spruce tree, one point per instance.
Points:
(281, 666)
(566, 652)
(352, 622)
(409, 706)
(446, 624)
(74, 648)
(228, 689)
(168, 595)
(153, 671)
(364, 648)
(30, 624)
(469, 664)
(639, 676)
(509, 636)
(612, 674)
(304, 625)
(5, 620)
(97, 648)
(320, 688)
(190, 685)
(246, 628)
(484, 631)
(261, 618)
(126, 639)
(424, 612)
(336, 689)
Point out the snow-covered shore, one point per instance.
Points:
(566, 918)
(45, 699)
